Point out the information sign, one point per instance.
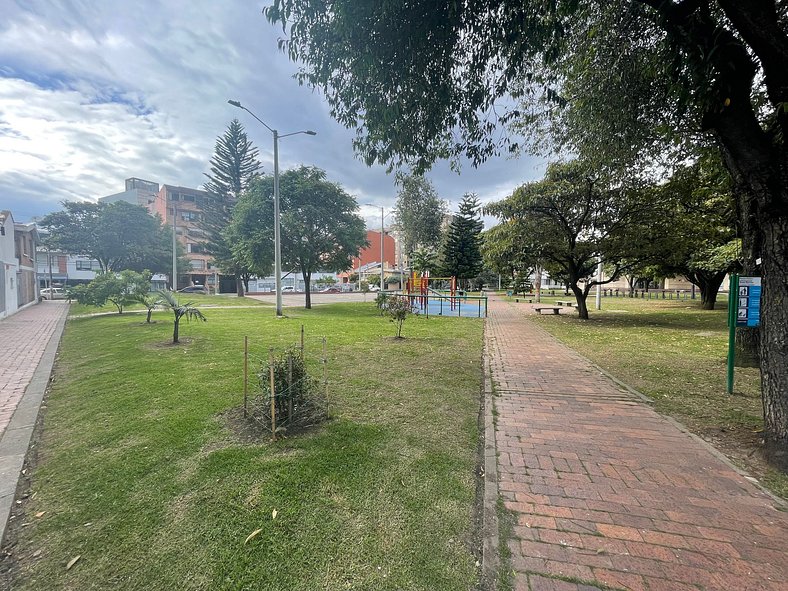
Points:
(748, 310)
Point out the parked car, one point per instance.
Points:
(194, 289)
(289, 288)
(331, 290)
(53, 293)
(374, 288)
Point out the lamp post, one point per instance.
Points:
(277, 238)
(382, 233)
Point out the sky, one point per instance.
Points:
(92, 93)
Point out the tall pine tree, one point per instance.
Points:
(233, 164)
(461, 253)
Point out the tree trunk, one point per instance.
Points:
(747, 339)
(150, 311)
(239, 286)
(307, 289)
(709, 288)
(774, 336)
(175, 329)
(580, 296)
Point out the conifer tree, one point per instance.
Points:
(461, 253)
(233, 164)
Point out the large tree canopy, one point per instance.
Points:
(118, 235)
(427, 80)
(320, 228)
(571, 219)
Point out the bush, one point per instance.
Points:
(298, 399)
(399, 308)
(381, 301)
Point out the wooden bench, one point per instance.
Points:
(528, 300)
(554, 309)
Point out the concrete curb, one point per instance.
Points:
(490, 535)
(16, 438)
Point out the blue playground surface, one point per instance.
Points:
(471, 308)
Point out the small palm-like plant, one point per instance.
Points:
(168, 300)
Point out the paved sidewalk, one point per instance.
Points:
(29, 342)
(610, 494)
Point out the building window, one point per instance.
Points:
(87, 265)
(195, 248)
(197, 265)
(190, 216)
(188, 198)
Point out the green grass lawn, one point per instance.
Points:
(204, 301)
(139, 474)
(675, 353)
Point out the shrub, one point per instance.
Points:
(381, 301)
(398, 308)
(298, 400)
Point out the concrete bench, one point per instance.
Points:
(554, 309)
(528, 300)
(566, 303)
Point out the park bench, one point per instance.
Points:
(528, 300)
(566, 303)
(554, 309)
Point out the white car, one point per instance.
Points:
(53, 293)
(289, 288)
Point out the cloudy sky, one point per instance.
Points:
(93, 92)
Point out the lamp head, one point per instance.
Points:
(310, 132)
(235, 103)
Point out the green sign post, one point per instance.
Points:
(744, 310)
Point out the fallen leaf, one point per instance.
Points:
(273, 514)
(40, 513)
(252, 535)
(72, 562)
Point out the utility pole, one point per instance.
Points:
(174, 280)
(599, 285)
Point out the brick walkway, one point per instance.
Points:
(23, 338)
(610, 494)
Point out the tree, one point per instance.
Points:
(119, 288)
(118, 235)
(696, 235)
(233, 166)
(505, 252)
(419, 213)
(423, 259)
(188, 310)
(461, 255)
(570, 220)
(320, 230)
(711, 67)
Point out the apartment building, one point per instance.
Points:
(183, 209)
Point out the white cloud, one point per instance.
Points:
(92, 93)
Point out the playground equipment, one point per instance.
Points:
(440, 296)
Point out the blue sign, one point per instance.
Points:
(748, 310)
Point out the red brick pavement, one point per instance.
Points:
(23, 338)
(609, 494)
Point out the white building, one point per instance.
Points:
(17, 265)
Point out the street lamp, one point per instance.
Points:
(382, 232)
(277, 239)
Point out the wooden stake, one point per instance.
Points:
(325, 375)
(246, 374)
(290, 387)
(302, 341)
(273, 392)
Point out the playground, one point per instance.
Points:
(439, 296)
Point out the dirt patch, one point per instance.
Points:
(743, 446)
(169, 344)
